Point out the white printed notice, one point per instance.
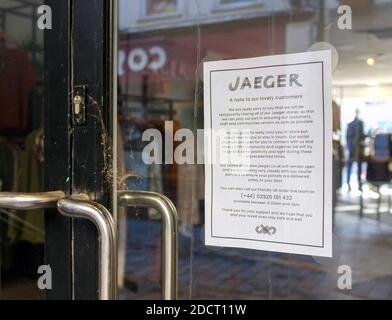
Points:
(268, 153)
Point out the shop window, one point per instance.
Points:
(160, 8)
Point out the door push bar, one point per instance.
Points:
(170, 234)
(77, 207)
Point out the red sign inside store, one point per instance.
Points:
(175, 57)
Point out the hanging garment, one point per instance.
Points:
(188, 200)
(9, 161)
(17, 79)
(156, 185)
(30, 179)
(8, 171)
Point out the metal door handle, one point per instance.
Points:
(169, 215)
(77, 207)
(30, 201)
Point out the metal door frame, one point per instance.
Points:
(78, 51)
(92, 66)
(57, 143)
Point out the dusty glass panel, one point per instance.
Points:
(160, 87)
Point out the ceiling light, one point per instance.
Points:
(370, 61)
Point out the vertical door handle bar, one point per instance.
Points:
(75, 207)
(170, 234)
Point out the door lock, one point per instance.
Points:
(79, 105)
(78, 100)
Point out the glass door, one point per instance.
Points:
(161, 49)
(58, 240)
(35, 247)
(96, 106)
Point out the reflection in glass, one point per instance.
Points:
(160, 7)
(21, 147)
(223, 2)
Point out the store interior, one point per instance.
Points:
(22, 234)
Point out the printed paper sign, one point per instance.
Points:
(268, 153)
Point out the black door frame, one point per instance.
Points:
(57, 143)
(78, 52)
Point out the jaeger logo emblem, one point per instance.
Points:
(265, 230)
